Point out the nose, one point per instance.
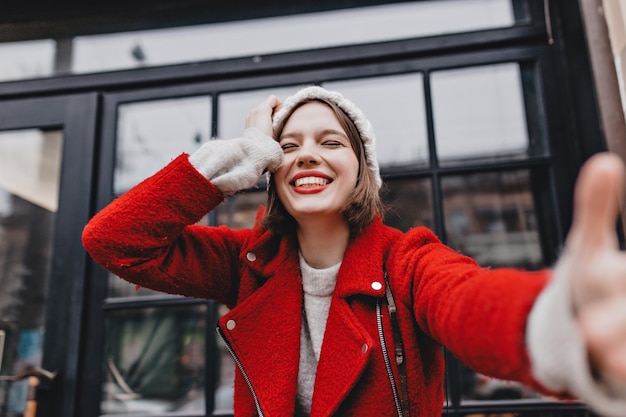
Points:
(307, 156)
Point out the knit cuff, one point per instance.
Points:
(236, 164)
(558, 353)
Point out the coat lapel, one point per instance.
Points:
(264, 329)
(347, 345)
(264, 333)
(345, 353)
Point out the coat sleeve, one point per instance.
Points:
(148, 236)
(477, 313)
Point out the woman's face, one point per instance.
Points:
(320, 168)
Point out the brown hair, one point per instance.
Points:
(364, 202)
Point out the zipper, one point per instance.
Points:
(383, 344)
(243, 372)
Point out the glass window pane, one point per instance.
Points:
(240, 210)
(477, 388)
(150, 134)
(234, 107)
(226, 377)
(155, 361)
(409, 203)
(121, 288)
(288, 33)
(30, 165)
(395, 107)
(479, 113)
(3, 335)
(27, 59)
(491, 217)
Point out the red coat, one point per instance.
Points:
(147, 236)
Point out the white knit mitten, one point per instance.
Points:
(558, 353)
(236, 164)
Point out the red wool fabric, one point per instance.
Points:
(148, 237)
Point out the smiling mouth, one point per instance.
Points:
(311, 182)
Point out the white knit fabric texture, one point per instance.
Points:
(362, 124)
(558, 353)
(318, 286)
(236, 164)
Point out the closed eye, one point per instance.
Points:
(288, 146)
(334, 138)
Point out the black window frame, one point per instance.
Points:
(534, 58)
(75, 115)
(573, 127)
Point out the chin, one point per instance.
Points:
(308, 212)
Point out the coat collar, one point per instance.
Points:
(361, 268)
(264, 333)
(361, 271)
(265, 330)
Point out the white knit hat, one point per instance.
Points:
(362, 124)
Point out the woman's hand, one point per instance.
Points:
(236, 164)
(260, 117)
(596, 267)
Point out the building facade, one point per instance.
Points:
(484, 111)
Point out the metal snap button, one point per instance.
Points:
(251, 256)
(230, 324)
(377, 285)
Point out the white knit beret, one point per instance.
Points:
(362, 124)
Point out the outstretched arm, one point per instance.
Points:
(599, 268)
(577, 330)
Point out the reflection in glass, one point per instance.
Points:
(287, 33)
(491, 217)
(479, 113)
(30, 163)
(121, 288)
(234, 107)
(150, 134)
(155, 361)
(226, 379)
(240, 210)
(26, 59)
(395, 107)
(30, 166)
(479, 387)
(409, 203)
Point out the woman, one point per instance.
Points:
(309, 328)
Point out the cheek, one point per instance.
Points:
(281, 173)
(280, 181)
(354, 168)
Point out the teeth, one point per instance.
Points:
(310, 181)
